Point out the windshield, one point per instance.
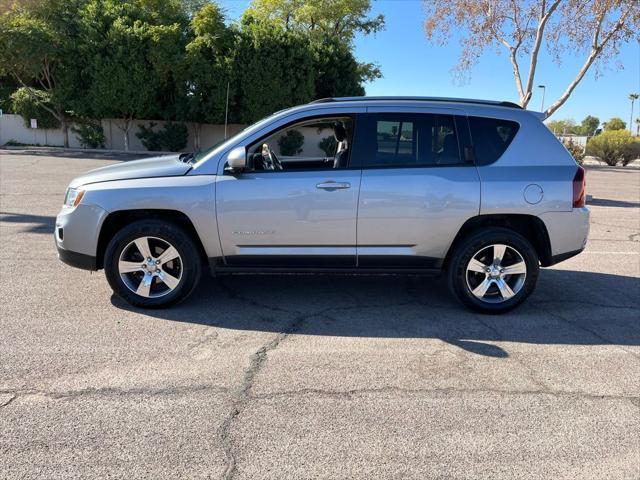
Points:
(222, 144)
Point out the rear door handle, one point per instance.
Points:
(330, 185)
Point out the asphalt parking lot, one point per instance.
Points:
(315, 377)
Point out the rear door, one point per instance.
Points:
(417, 189)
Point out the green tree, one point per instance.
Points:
(563, 127)
(340, 19)
(134, 56)
(331, 26)
(632, 97)
(207, 69)
(36, 49)
(589, 125)
(615, 124)
(337, 73)
(271, 69)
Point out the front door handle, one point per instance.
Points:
(331, 185)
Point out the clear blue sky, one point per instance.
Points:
(412, 66)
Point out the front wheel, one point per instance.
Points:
(493, 271)
(151, 263)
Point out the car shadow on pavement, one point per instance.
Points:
(568, 307)
(37, 223)
(605, 202)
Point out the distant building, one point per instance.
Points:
(576, 139)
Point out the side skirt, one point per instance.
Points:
(217, 267)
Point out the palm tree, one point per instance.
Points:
(633, 97)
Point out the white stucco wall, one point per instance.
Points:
(12, 127)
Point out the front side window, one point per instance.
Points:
(491, 137)
(315, 144)
(408, 140)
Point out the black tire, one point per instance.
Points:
(190, 266)
(468, 248)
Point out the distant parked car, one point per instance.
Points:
(479, 190)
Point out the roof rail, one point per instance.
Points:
(421, 99)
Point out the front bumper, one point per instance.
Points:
(76, 235)
(77, 260)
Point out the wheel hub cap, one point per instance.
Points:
(496, 273)
(150, 267)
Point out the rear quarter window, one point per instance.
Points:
(491, 137)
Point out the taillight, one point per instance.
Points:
(579, 188)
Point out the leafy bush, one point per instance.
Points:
(615, 124)
(151, 139)
(291, 143)
(5, 99)
(614, 146)
(90, 133)
(172, 137)
(29, 107)
(576, 151)
(328, 145)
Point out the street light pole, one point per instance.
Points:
(544, 90)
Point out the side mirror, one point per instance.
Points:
(237, 160)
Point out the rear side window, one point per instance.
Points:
(491, 137)
(396, 143)
(398, 140)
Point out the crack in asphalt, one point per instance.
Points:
(110, 391)
(586, 302)
(501, 338)
(243, 393)
(592, 332)
(348, 394)
(256, 361)
(11, 399)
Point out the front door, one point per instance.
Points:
(296, 204)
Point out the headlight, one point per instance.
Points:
(72, 197)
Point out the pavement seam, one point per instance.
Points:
(109, 391)
(364, 391)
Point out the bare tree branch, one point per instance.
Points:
(596, 48)
(544, 18)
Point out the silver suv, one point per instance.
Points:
(481, 191)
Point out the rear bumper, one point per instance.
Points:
(568, 233)
(563, 256)
(77, 260)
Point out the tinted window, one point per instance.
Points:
(491, 137)
(396, 142)
(444, 149)
(409, 140)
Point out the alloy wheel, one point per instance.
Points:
(496, 273)
(150, 267)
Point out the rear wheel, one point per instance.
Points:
(494, 270)
(152, 263)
